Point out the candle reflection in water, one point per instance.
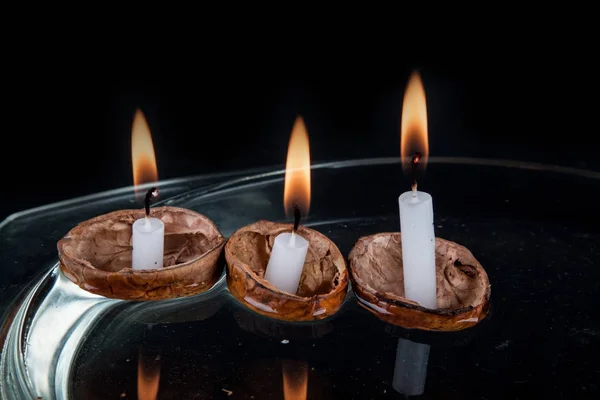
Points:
(410, 369)
(148, 374)
(295, 379)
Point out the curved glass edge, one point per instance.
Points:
(277, 174)
(54, 350)
(60, 311)
(178, 184)
(12, 366)
(488, 162)
(70, 347)
(265, 177)
(239, 176)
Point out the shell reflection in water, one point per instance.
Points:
(281, 330)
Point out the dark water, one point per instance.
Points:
(536, 342)
(534, 230)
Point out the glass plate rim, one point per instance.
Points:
(275, 170)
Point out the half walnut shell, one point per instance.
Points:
(463, 288)
(323, 284)
(96, 255)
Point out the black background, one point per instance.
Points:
(211, 107)
(222, 100)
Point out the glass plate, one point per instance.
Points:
(533, 228)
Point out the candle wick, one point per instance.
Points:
(413, 172)
(149, 195)
(293, 239)
(296, 218)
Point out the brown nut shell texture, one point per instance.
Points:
(323, 284)
(96, 255)
(463, 288)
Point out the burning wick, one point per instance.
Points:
(151, 193)
(413, 168)
(296, 217)
(296, 224)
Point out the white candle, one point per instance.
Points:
(287, 261)
(148, 241)
(418, 247)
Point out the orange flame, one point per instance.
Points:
(296, 189)
(148, 376)
(413, 131)
(295, 380)
(142, 152)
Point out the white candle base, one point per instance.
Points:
(418, 248)
(148, 242)
(410, 369)
(287, 262)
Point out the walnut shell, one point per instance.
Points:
(96, 255)
(323, 284)
(463, 288)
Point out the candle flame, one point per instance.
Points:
(142, 152)
(295, 380)
(297, 171)
(148, 375)
(413, 130)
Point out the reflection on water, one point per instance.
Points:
(295, 379)
(74, 341)
(410, 369)
(148, 374)
(199, 307)
(282, 330)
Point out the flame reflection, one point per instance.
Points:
(142, 152)
(413, 127)
(295, 379)
(296, 189)
(148, 375)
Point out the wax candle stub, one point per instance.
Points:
(148, 242)
(418, 247)
(287, 261)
